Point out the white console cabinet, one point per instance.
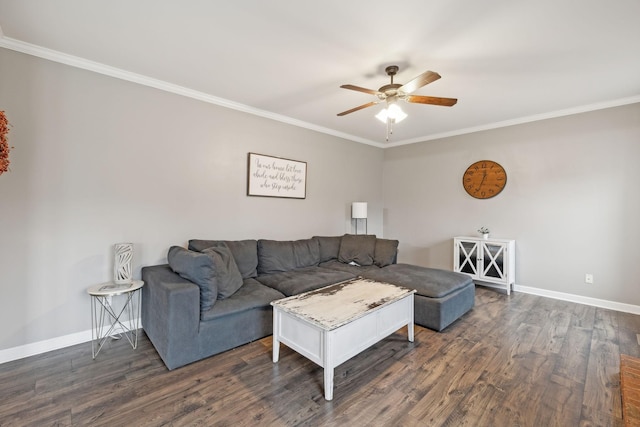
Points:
(490, 262)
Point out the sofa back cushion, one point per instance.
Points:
(385, 253)
(276, 256)
(357, 248)
(329, 247)
(245, 253)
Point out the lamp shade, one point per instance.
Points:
(358, 210)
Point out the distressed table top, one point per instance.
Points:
(339, 304)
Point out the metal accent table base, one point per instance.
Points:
(106, 321)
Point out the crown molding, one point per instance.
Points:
(522, 120)
(85, 64)
(118, 73)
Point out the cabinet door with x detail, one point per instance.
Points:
(487, 261)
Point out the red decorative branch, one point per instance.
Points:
(4, 145)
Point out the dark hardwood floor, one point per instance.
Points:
(518, 360)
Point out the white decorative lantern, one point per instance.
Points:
(123, 254)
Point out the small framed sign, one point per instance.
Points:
(269, 176)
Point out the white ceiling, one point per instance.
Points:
(506, 61)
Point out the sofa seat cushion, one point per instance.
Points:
(245, 253)
(428, 282)
(356, 270)
(294, 282)
(251, 295)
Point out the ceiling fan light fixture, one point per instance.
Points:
(390, 93)
(393, 113)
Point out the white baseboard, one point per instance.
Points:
(611, 305)
(44, 346)
(40, 347)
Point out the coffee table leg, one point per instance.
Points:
(276, 334)
(411, 323)
(328, 383)
(327, 361)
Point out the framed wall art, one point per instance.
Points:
(269, 176)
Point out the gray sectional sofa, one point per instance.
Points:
(216, 295)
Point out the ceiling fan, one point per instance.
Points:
(392, 92)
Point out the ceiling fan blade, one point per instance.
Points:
(433, 100)
(422, 80)
(360, 89)
(368, 104)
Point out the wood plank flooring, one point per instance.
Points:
(518, 360)
(630, 385)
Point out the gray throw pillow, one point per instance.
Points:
(227, 275)
(385, 252)
(357, 248)
(245, 253)
(198, 268)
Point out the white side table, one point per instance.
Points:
(106, 321)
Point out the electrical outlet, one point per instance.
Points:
(588, 278)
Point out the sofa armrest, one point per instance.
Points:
(170, 311)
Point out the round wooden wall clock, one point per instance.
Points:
(484, 179)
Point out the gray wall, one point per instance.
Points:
(571, 201)
(99, 161)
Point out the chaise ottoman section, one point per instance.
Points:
(441, 296)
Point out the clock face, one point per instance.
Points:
(484, 179)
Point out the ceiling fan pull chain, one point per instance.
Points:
(389, 127)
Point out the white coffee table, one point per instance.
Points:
(331, 325)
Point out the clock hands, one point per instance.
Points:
(484, 176)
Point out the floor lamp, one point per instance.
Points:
(359, 211)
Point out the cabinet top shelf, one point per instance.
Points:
(482, 239)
